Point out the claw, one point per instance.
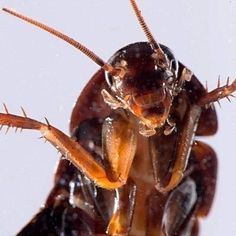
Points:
(219, 93)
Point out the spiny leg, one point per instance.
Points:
(67, 146)
(188, 131)
(119, 152)
(183, 148)
(218, 93)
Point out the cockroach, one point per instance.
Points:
(137, 168)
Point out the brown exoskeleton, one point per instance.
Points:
(133, 131)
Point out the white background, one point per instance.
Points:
(45, 76)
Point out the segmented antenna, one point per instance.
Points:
(146, 30)
(71, 41)
(143, 24)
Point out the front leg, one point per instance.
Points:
(187, 132)
(119, 140)
(69, 148)
(218, 93)
(183, 147)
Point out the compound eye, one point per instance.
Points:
(109, 79)
(170, 80)
(174, 65)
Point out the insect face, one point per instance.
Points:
(146, 89)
